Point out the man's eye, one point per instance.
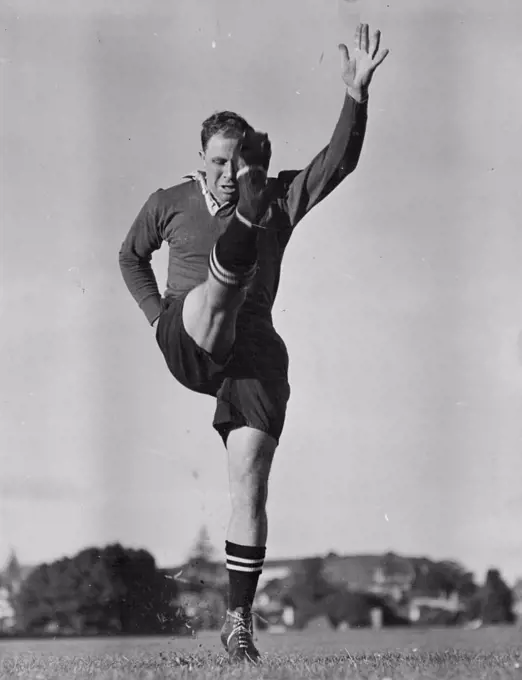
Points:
(219, 161)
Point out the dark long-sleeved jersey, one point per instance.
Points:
(180, 216)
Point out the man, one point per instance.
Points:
(227, 229)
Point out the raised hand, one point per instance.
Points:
(357, 68)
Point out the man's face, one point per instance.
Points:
(221, 159)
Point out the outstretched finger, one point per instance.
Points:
(374, 44)
(365, 41)
(358, 37)
(380, 57)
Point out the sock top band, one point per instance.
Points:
(249, 552)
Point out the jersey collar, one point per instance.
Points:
(213, 206)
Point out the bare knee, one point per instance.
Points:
(248, 495)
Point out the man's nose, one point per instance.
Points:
(229, 169)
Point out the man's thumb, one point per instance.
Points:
(345, 55)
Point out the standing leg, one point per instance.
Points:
(250, 455)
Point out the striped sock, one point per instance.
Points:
(244, 564)
(233, 259)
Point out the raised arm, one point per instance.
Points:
(306, 188)
(135, 256)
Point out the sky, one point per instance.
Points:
(400, 299)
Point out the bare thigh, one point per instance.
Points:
(209, 315)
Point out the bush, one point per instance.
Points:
(109, 590)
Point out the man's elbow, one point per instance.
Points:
(129, 261)
(128, 256)
(125, 258)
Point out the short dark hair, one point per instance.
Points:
(227, 123)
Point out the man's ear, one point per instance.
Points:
(202, 155)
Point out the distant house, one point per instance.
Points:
(435, 610)
(359, 579)
(388, 579)
(275, 571)
(388, 574)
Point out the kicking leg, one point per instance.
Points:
(210, 310)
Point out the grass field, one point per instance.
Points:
(317, 653)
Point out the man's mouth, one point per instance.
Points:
(229, 188)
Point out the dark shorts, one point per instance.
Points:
(251, 389)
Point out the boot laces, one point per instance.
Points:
(242, 629)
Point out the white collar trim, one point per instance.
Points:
(212, 205)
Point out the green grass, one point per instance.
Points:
(316, 653)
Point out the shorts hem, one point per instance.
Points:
(225, 428)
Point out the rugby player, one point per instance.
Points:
(227, 227)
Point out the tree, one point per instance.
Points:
(99, 590)
(496, 600)
(203, 550)
(442, 578)
(13, 573)
(203, 586)
(201, 569)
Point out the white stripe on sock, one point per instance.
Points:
(251, 570)
(227, 277)
(221, 274)
(245, 560)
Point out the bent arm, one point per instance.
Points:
(306, 188)
(135, 256)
